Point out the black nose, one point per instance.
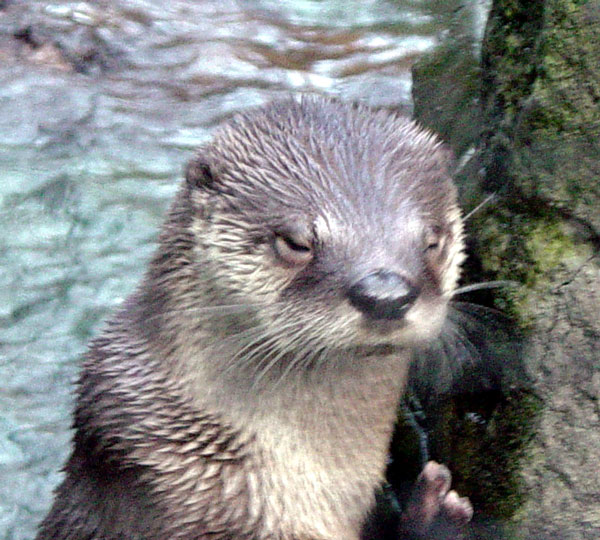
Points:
(383, 295)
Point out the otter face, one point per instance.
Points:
(340, 222)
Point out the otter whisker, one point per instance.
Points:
(226, 309)
(302, 358)
(257, 331)
(295, 361)
(463, 313)
(312, 359)
(485, 285)
(475, 346)
(287, 345)
(459, 338)
(284, 347)
(485, 201)
(265, 342)
(300, 355)
(325, 351)
(237, 337)
(270, 362)
(248, 338)
(253, 348)
(279, 349)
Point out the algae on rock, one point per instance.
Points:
(537, 146)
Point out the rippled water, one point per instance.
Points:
(101, 104)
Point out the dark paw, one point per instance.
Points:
(433, 510)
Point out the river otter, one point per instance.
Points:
(248, 389)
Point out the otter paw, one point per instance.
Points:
(456, 509)
(433, 510)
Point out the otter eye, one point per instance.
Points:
(433, 239)
(294, 251)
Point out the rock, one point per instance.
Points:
(539, 150)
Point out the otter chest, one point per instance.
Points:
(315, 490)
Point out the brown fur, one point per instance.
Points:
(237, 395)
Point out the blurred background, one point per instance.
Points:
(101, 105)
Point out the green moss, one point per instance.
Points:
(549, 246)
(447, 87)
(539, 150)
(511, 40)
(525, 247)
(529, 249)
(485, 447)
(541, 93)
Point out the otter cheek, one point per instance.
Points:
(425, 320)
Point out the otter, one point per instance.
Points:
(248, 388)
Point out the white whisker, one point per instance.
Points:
(485, 285)
(488, 199)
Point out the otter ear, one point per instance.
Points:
(198, 173)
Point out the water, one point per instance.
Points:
(101, 104)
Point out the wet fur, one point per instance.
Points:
(234, 397)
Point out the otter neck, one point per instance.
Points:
(337, 400)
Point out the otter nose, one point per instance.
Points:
(383, 295)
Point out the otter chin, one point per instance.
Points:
(248, 388)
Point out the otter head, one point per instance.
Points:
(339, 222)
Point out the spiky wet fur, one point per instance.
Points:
(235, 397)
